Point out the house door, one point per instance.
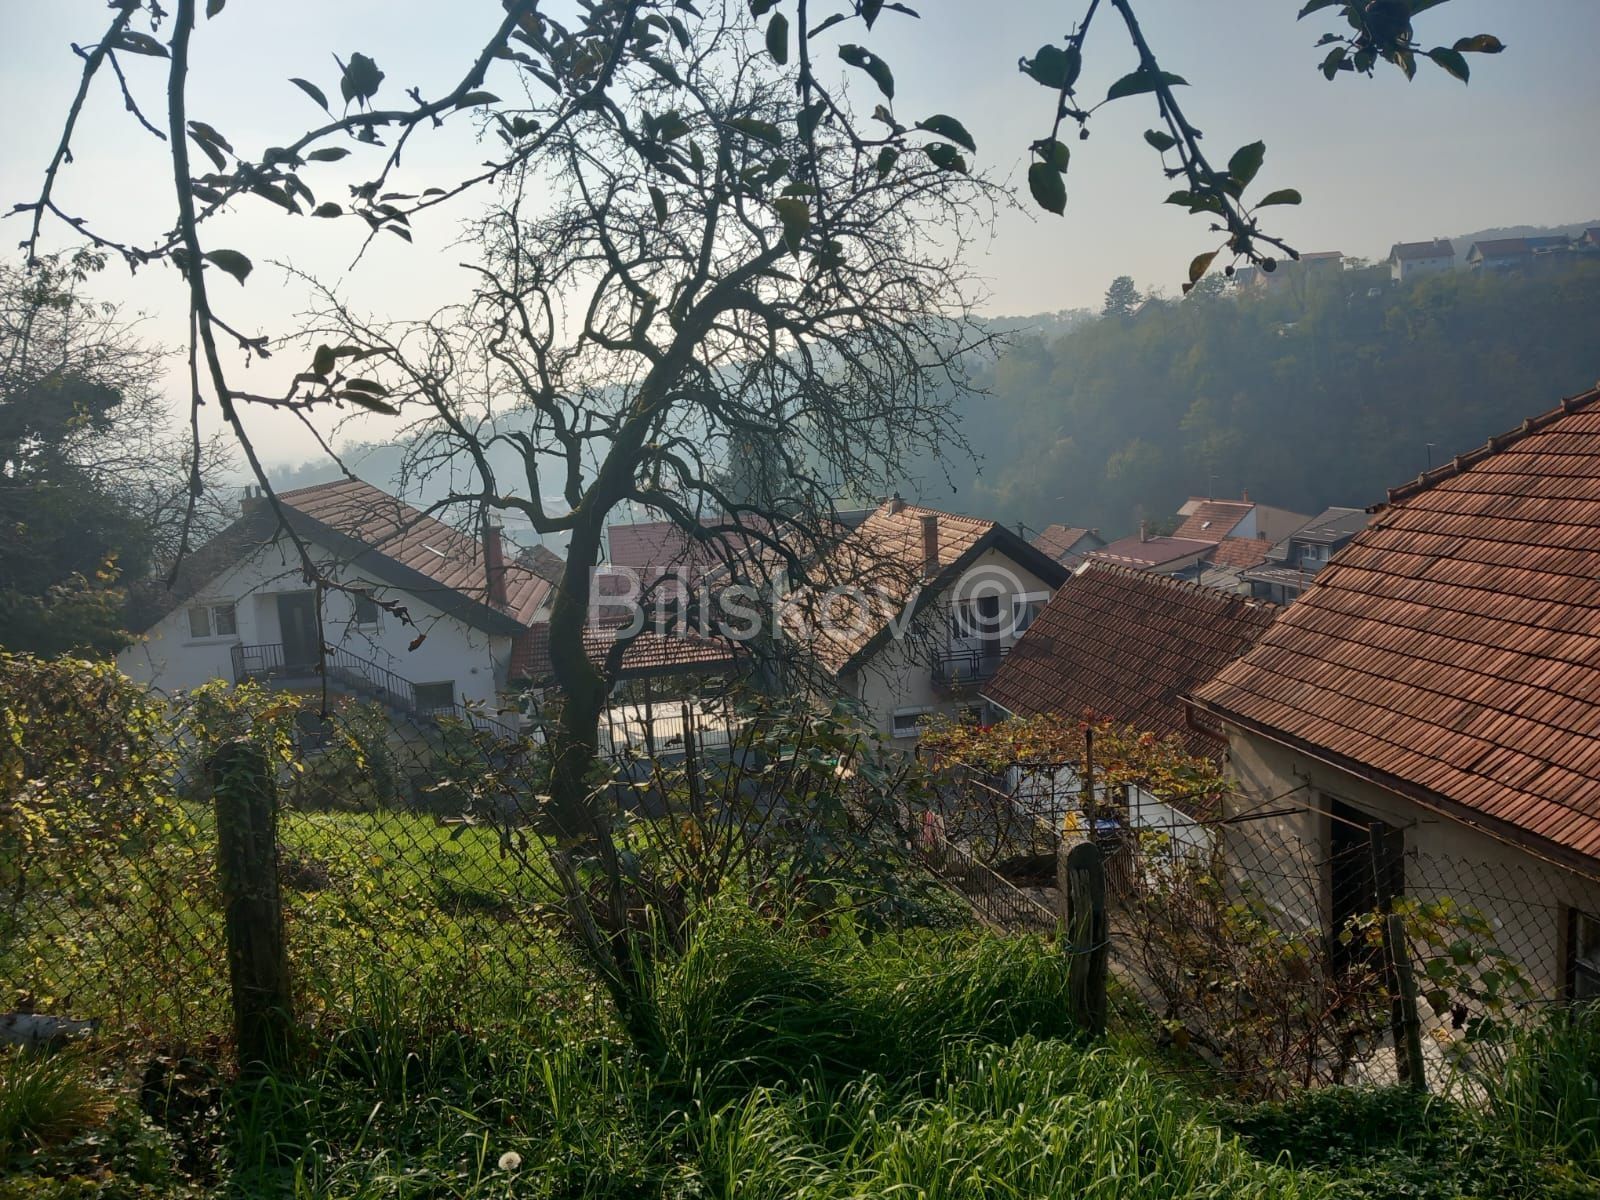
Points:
(297, 626)
(1363, 878)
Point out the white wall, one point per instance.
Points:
(168, 659)
(1524, 897)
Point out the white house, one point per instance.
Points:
(1407, 260)
(410, 611)
(925, 605)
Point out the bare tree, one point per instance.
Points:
(654, 300)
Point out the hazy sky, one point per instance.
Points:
(1377, 160)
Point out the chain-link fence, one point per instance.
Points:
(1272, 961)
(402, 887)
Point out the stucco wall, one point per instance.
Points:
(1524, 897)
(168, 659)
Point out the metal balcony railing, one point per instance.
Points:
(268, 663)
(964, 668)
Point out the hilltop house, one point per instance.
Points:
(1407, 260)
(1507, 254)
(1287, 567)
(1067, 544)
(1128, 646)
(1438, 685)
(927, 605)
(423, 619)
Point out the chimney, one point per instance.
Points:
(930, 544)
(252, 499)
(896, 504)
(1144, 531)
(1246, 495)
(494, 564)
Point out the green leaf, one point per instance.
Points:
(360, 79)
(660, 202)
(778, 38)
(213, 7)
(1451, 60)
(1200, 265)
(314, 92)
(1143, 81)
(1483, 43)
(1054, 67)
(1281, 196)
(328, 154)
(1161, 141)
(870, 10)
(860, 56)
(1314, 5)
(1054, 152)
(368, 386)
(795, 214)
(1338, 60)
(1245, 165)
(946, 157)
(473, 99)
(886, 160)
(330, 209)
(369, 402)
(232, 262)
(763, 131)
(140, 43)
(1048, 187)
(950, 129)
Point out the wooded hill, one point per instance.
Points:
(1323, 391)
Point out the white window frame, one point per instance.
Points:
(914, 715)
(212, 614)
(1019, 605)
(436, 683)
(375, 621)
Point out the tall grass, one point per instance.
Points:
(1544, 1092)
(44, 1098)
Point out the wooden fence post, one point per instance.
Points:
(1088, 930)
(1411, 1067)
(247, 861)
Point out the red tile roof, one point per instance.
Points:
(445, 557)
(1240, 552)
(1409, 250)
(1451, 651)
(1213, 520)
(1058, 540)
(1127, 645)
(648, 654)
(1149, 553)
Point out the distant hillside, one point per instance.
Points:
(1316, 394)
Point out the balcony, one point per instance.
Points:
(346, 672)
(963, 670)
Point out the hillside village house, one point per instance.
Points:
(240, 608)
(1407, 260)
(1440, 679)
(1128, 646)
(1067, 544)
(1286, 569)
(949, 596)
(1206, 524)
(1510, 254)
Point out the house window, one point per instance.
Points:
(212, 620)
(977, 619)
(366, 608)
(908, 721)
(435, 697)
(1584, 975)
(1025, 610)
